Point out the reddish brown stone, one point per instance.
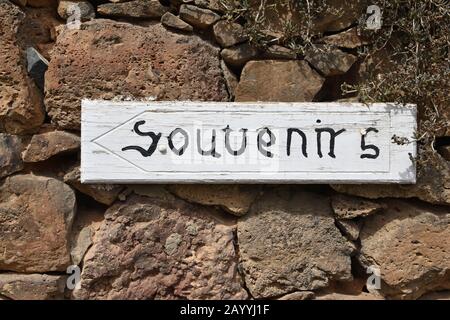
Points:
(45, 145)
(108, 59)
(38, 29)
(233, 198)
(133, 9)
(284, 81)
(36, 215)
(151, 248)
(103, 193)
(21, 109)
(410, 243)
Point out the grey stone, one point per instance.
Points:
(21, 3)
(81, 244)
(228, 33)
(46, 145)
(172, 242)
(347, 207)
(342, 296)
(230, 78)
(37, 65)
(410, 243)
(32, 286)
(10, 154)
(239, 55)
(172, 21)
(103, 193)
(235, 199)
(87, 222)
(220, 6)
(278, 52)
(153, 191)
(290, 243)
(82, 10)
(133, 9)
(349, 39)
(433, 185)
(351, 229)
(330, 61)
(326, 15)
(21, 108)
(299, 295)
(439, 295)
(445, 152)
(198, 17)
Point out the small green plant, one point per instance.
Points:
(269, 21)
(408, 61)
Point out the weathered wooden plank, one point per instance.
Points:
(168, 142)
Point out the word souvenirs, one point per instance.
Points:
(265, 139)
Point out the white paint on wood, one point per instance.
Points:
(108, 128)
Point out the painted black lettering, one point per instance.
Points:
(181, 150)
(365, 147)
(262, 143)
(333, 135)
(155, 139)
(212, 150)
(241, 150)
(289, 141)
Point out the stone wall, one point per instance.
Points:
(193, 241)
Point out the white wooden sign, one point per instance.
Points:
(211, 142)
